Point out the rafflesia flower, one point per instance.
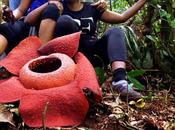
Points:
(54, 81)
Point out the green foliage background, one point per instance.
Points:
(150, 35)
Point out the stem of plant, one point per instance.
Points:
(44, 115)
(127, 101)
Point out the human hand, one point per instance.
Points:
(58, 4)
(7, 14)
(101, 5)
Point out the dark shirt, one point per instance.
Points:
(87, 17)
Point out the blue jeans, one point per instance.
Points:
(14, 4)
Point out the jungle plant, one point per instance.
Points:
(132, 75)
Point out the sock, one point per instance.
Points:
(119, 74)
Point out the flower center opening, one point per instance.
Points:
(45, 65)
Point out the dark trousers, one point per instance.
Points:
(14, 32)
(110, 47)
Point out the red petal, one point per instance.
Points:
(67, 44)
(2, 80)
(67, 106)
(86, 76)
(22, 53)
(11, 90)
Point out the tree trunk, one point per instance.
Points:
(147, 20)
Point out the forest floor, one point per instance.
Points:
(158, 113)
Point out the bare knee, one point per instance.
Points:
(3, 43)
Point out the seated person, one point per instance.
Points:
(14, 32)
(78, 16)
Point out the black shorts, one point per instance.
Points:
(14, 32)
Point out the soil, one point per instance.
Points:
(111, 113)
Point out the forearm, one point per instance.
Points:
(133, 10)
(113, 17)
(22, 8)
(18, 13)
(33, 16)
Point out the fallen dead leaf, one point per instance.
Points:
(5, 115)
(171, 109)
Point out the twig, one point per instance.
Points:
(115, 97)
(127, 102)
(152, 70)
(44, 115)
(128, 126)
(166, 96)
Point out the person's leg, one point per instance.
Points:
(3, 44)
(111, 47)
(13, 4)
(117, 53)
(12, 34)
(66, 25)
(48, 23)
(46, 34)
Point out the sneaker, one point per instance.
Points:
(121, 87)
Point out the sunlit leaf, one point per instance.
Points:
(135, 73)
(139, 103)
(172, 23)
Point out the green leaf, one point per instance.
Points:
(135, 73)
(151, 38)
(136, 83)
(148, 60)
(172, 23)
(136, 62)
(149, 97)
(100, 73)
(133, 42)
